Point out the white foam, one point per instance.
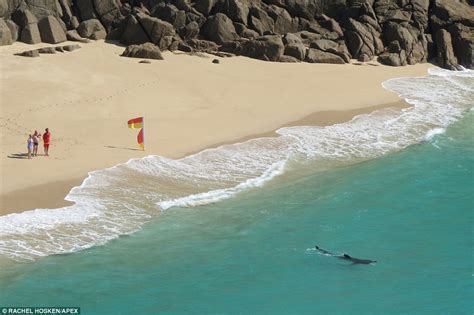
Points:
(221, 194)
(434, 132)
(119, 200)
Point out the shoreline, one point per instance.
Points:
(60, 189)
(86, 97)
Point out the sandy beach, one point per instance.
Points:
(85, 98)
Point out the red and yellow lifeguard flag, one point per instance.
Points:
(141, 139)
(137, 123)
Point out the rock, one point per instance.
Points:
(157, 30)
(42, 8)
(202, 45)
(364, 58)
(169, 13)
(463, 44)
(291, 38)
(237, 10)
(51, 31)
(260, 21)
(284, 23)
(245, 32)
(4, 8)
(14, 30)
(219, 28)
(47, 50)
(99, 35)
(74, 22)
(73, 35)
(71, 47)
(59, 49)
(215, 61)
(362, 39)
(145, 61)
(134, 34)
(204, 6)
(92, 29)
(409, 39)
(29, 53)
(268, 47)
(393, 59)
(5, 34)
(296, 50)
(319, 56)
(144, 51)
(332, 47)
(108, 12)
(333, 26)
(445, 56)
(86, 9)
(308, 37)
(23, 17)
(191, 30)
(286, 58)
(184, 47)
(30, 34)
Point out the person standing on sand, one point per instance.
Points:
(29, 145)
(36, 139)
(46, 140)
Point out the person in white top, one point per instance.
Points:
(29, 145)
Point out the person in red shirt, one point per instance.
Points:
(46, 140)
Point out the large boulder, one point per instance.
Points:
(463, 44)
(296, 50)
(14, 29)
(30, 34)
(134, 34)
(445, 57)
(4, 9)
(336, 48)
(284, 23)
(86, 9)
(143, 51)
(410, 39)
(51, 31)
(245, 32)
(158, 31)
(5, 33)
(108, 11)
(92, 29)
(73, 35)
(268, 48)
(319, 56)
(204, 6)
(219, 28)
(260, 21)
(362, 39)
(237, 10)
(294, 46)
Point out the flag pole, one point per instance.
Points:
(143, 127)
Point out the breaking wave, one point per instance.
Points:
(119, 200)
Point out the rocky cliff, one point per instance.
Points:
(396, 32)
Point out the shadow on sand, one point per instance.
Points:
(18, 156)
(121, 148)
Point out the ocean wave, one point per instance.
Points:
(119, 200)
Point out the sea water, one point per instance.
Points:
(232, 230)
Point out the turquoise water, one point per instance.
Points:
(411, 210)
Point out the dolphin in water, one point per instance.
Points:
(346, 257)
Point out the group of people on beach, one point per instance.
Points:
(34, 140)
